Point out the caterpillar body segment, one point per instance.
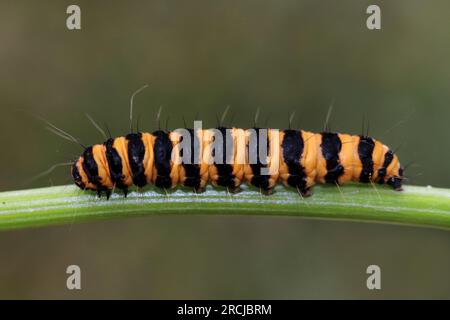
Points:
(264, 173)
(195, 173)
(296, 158)
(229, 171)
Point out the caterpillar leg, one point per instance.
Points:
(199, 190)
(395, 183)
(267, 192)
(234, 190)
(107, 193)
(305, 192)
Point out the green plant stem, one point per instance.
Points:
(424, 206)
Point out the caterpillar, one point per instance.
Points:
(303, 159)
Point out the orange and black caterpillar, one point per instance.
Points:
(305, 158)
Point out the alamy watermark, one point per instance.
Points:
(73, 281)
(73, 21)
(232, 146)
(373, 282)
(373, 22)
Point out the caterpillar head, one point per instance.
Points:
(76, 175)
(80, 177)
(395, 174)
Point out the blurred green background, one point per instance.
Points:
(199, 57)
